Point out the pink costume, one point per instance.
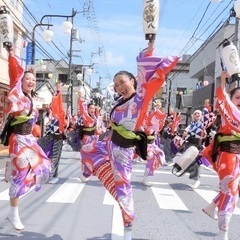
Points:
(111, 163)
(155, 156)
(89, 132)
(227, 159)
(30, 165)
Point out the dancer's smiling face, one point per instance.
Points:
(235, 97)
(28, 82)
(124, 85)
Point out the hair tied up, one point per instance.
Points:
(30, 70)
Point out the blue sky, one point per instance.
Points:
(116, 27)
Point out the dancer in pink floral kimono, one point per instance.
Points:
(30, 165)
(88, 129)
(111, 161)
(155, 156)
(224, 155)
(89, 116)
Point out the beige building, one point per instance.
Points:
(19, 33)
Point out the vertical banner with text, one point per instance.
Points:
(29, 54)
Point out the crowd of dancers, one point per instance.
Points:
(137, 128)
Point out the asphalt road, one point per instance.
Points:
(72, 210)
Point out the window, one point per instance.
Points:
(39, 75)
(63, 78)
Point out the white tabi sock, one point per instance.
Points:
(14, 219)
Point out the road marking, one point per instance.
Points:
(117, 221)
(68, 192)
(167, 198)
(209, 195)
(4, 195)
(169, 172)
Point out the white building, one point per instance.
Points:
(51, 71)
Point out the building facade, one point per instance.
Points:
(206, 66)
(19, 35)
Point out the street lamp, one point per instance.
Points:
(47, 34)
(67, 27)
(47, 37)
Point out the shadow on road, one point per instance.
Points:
(29, 236)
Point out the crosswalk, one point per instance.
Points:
(163, 193)
(167, 198)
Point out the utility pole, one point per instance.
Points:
(169, 95)
(70, 96)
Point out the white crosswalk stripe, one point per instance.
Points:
(4, 195)
(167, 198)
(170, 173)
(117, 223)
(68, 192)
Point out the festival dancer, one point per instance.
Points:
(169, 132)
(153, 124)
(52, 142)
(157, 106)
(88, 130)
(30, 165)
(209, 118)
(111, 161)
(194, 135)
(223, 153)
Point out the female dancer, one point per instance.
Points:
(89, 114)
(88, 130)
(30, 165)
(169, 132)
(111, 161)
(155, 156)
(223, 153)
(52, 142)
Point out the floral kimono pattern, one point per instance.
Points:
(130, 114)
(30, 165)
(155, 156)
(226, 164)
(87, 121)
